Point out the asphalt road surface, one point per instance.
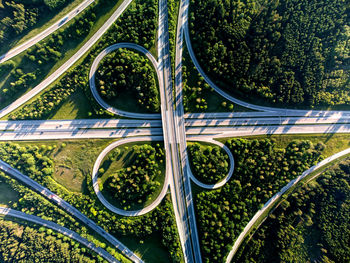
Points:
(43, 34)
(68, 208)
(65, 231)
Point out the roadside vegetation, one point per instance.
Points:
(39, 164)
(18, 17)
(133, 176)
(198, 96)
(334, 142)
(311, 225)
(137, 25)
(286, 52)
(261, 170)
(21, 242)
(22, 198)
(126, 79)
(173, 12)
(36, 63)
(209, 163)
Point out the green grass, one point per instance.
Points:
(334, 142)
(126, 101)
(77, 159)
(74, 162)
(125, 159)
(77, 106)
(69, 49)
(7, 194)
(150, 249)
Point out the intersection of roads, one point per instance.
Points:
(172, 126)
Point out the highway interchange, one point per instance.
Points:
(172, 126)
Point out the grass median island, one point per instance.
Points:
(127, 80)
(279, 53)
(261, 170)
(311, 225)
(132, 176)
(33, 161)
(209, 163)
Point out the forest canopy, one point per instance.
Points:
(283, 51)
(125, 71)
(16, 16)
(312, 225)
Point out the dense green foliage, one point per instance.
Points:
(261, 170)
(312, 225)
(137, 24)
(33, 203)
(198, 96)
(18, 16)
(35, 63)
(28, 244)
(287, 51)
(160, 221)
(128, 71)
(135, 183)
(209, 164)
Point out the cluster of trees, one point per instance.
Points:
(137, 24)
(137, 182)
(312, 225)
(28, 244)
(31, 159)
(30, 202)
(194, 87)
(38, 60)
(43, 107)
(128, 71)
(160, 220)
(283, 51)
(18, 16)
(197, 94)
(261, 170)
(209, 164)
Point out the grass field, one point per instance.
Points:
(125, 157)
(77, 106)
(7, 194)
(334, 142)
(147, 247)
(73, 162)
